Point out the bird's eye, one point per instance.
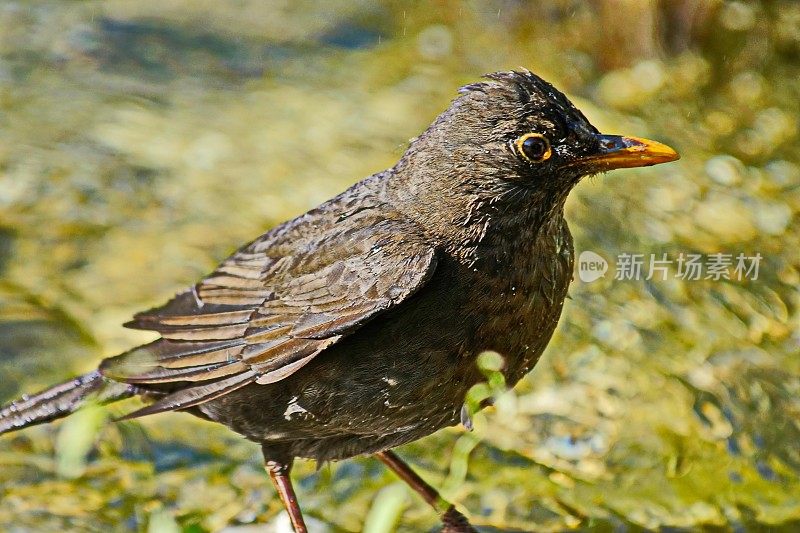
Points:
(534, 147)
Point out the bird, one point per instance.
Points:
(355, 327)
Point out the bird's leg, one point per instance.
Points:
(453, 520)
(404, 472)
(278, 470)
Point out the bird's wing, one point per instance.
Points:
(274, 305)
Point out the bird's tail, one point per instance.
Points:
(61, 400)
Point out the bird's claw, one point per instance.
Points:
(455, 522)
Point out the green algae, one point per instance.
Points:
(140, 142)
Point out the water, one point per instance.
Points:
(142, 142)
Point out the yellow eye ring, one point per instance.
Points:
(534, 147)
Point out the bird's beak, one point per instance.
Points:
(628, 152)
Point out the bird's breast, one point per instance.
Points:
(518, 296)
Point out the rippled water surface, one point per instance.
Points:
(141, 142)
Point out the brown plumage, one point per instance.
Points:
(355, 327)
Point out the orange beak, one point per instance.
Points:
(628, 152)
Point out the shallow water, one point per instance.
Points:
(140, 142)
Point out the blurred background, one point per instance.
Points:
(141, 142)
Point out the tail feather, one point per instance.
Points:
(61, 400)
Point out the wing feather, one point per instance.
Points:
(273, 306)
(195, 395)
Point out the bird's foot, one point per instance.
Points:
(455, 522)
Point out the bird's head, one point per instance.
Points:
(517, 144)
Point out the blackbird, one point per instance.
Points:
(355, 327)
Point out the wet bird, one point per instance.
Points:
(355, 327)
